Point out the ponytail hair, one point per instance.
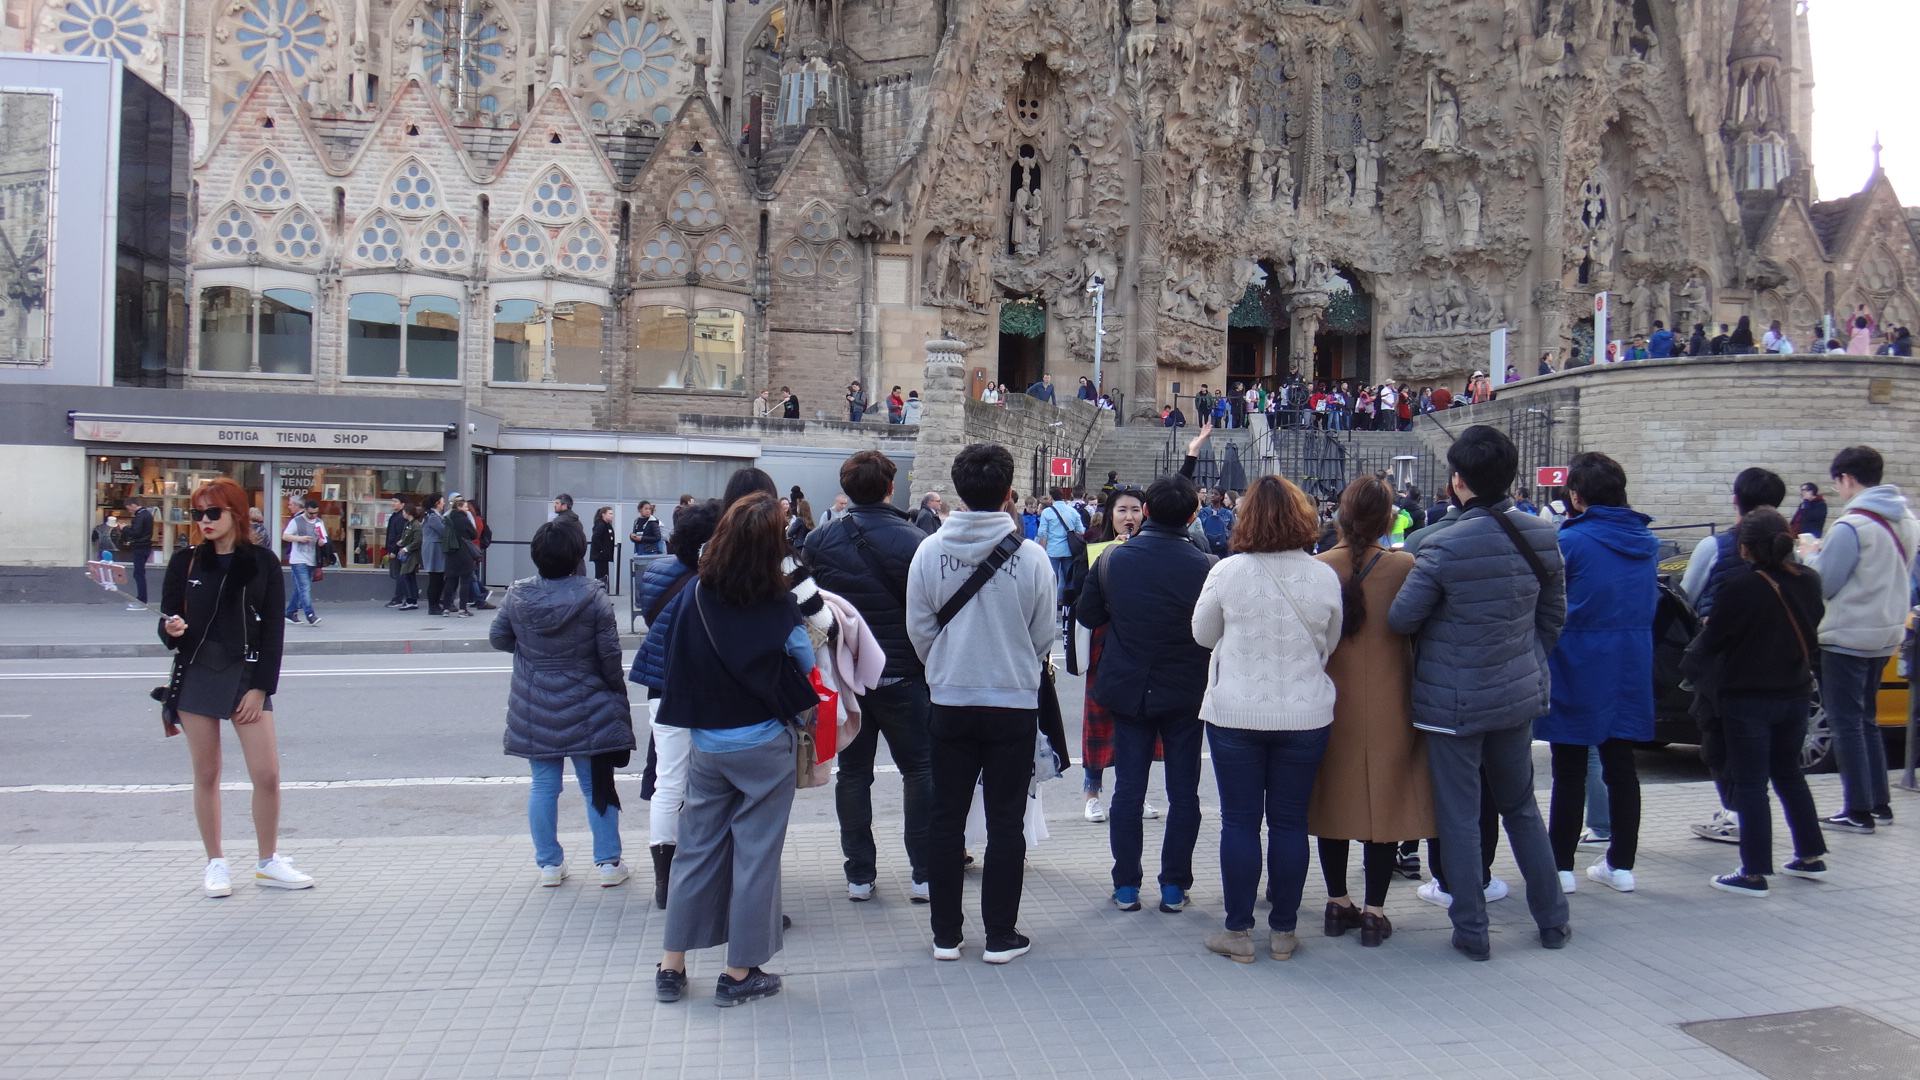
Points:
(1766, 541)
(1365, 515)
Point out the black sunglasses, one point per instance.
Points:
(211, 513)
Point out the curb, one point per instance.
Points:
(143, 650)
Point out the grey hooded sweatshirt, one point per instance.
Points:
(1865, 570)
(569, 691)
(990, 654)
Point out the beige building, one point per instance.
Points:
(601, 216)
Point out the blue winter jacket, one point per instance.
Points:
(650, 662)
(1602, 667)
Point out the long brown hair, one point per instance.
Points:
(1365, 515)
(741, 563)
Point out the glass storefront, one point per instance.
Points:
(355, 502)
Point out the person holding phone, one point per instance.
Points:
(220, 605)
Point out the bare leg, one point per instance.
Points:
(203, 747)
(262, 752)
(674, 961)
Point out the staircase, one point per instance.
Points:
(1321, 462)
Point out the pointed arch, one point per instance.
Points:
(266, 181)
(695, 204)
(585, 250)
(411, 190)
(796, 260)
(233, 232)
(662, 255)
(723, 258)
(378, 240)
(818, 222)
(441, 244)
(837, 261)
(296, 236)
(553, 197)
(522, 247)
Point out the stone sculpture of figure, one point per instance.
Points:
(1340, 181)
(1259, 174)
(1419, 312)
(1469, 205)
(1216, 217)
(1633, 238)
(1433, 218)
(1197, 199)
(1076, 188)
(1366, 173)
(1035, 219)
(1458, 306)
(1600, 244)
(1694, 295)
(1443, 116)
(939, 271)
(1017, 220)
(1247, 272)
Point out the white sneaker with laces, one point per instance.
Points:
(1568, 882)
(921, 894)
(1592, 841)
(1724, 827)
(218, 881)
(278, 873)
(940, 953)
(1148, 811)
(611, 873)
(1432, 893)
(860, 893)
(1496, 890)
(136, 607)
(1095, 812)
(1617, 880)
(552, 876)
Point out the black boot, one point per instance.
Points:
(662, 869)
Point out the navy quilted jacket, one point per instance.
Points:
(567, 697)
(650, 663)
(1482, 624)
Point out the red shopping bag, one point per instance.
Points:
(826, 728)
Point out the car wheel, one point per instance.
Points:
(1816, 753)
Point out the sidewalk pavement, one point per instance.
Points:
(72, 631)
(439, 957)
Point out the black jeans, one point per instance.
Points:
(1713, 754)
(399, 579)
(1763, 743)
(898, 711)
(138, 557)
(993, 747)
(436, 584)
(1377, 859)
(1569, 804)
(1133, 739)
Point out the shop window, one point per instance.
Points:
(577, 355)
(166, 487)
(230, 319)
(433, 337)
(355, 502)
(373, 335)
(519, 341)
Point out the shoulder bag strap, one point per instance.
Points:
(1368, 569)
(981, 575)
(897, 589)
(1792, 621)
(1526, 550)
(1288, 597)
(773, 708)
(1891, 531)
(666, 598)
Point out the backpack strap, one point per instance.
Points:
(1805, 653)
(897, 589)
(983, 573)
(1891, 531)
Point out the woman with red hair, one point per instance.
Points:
(221, 617)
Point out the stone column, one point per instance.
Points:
(943, 418)
(1306, 310)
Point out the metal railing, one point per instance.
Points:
(613, 572)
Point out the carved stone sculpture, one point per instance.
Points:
(1469, 206)
(1443, 115)
(1433, 218)
(1366, 173)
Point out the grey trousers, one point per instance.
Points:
(1455, 762)
(726, 872)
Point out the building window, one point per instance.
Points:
(719, 349)
(373, 335)
(392, 338)
(555, 197)
(523, 247)
(695, 206)
(379, 241)
(722, 258)
(663, 256)
(838, 261)
(413, 190)
(230, 317)
(519, 341)
(442, 244)
(700, 350)
(235, 235)
(433, 337)
(530, 340)
(577, 354)
(583, 250)
(266, 182)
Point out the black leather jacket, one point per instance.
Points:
(219, 606)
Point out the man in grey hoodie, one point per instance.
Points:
(983, 677)
(1864, 563)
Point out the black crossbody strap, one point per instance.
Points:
(751, 687)
(896, 588)
(981, 575)
(1526, 550)
(666, 597)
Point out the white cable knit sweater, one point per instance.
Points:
(1269, 668)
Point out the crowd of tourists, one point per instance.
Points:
(1327, 405)
(1380, 685)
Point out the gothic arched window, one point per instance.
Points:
(442, 244)
(377, 241)
(523, 246)
(584, 250)
(695, 206)
(296, 236)
(266, 182)
(235, 233)
(662, 255)
(554, 197)
(412, 191)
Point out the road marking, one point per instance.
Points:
(311, 785)
(65, 676)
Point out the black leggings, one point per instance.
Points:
(1377, 860)
(1570, 802)
(436, 581)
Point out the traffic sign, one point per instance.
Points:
(1062, 466)
(1551, 476)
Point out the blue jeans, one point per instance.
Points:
(1849, 687)
(543, 813)
(1061, 564)
(1132, 761)
(301, 600)
(898, 711)
(1270, 773)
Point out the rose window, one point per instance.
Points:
(379, 240)
(234, 234)
(266, 182)
(695, 205)
(555, 197)
(631, 57)
(663, 256)
(441, 244)
(291, 33)
(112, 28)
(723, 258)
(524, 247)
(413, 191)
(485, 46)
(297, 237)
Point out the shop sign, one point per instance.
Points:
(253, 435)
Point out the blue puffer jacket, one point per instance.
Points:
(1603, 664)
(1482, 624)
(567, 698)
(650, 663)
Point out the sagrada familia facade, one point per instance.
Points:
(599, 215)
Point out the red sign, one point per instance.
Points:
(1551, 476)
(1062, 466)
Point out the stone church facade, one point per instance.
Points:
(600, 216)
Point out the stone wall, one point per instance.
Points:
(1036, 433)
(1684, 427)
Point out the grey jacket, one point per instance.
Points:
(569, 693)
(991, 654)
(433, 543)
(1481, 623)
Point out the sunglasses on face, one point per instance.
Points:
(211, 513)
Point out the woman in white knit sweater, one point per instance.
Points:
(1271, 615)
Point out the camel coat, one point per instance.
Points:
(1373, 783)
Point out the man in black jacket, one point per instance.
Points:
(1152, 676)
(139, 548)
(396, 529)
(563, 512)
(863, 555)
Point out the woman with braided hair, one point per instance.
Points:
(1373, 784)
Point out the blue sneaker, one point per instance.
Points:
(1127, 898)
(1172, 899)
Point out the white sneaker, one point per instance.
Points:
(947, 954)
(1568, 882)
(1095, 812)
(1148, 811)
(1617, 880)
(136, 607)
(218, 881)
(1723, 827)
(1431, 892)
(1591, 841)
(860, 894)
(1496, 890)
(921, 895)
(611, 873)
(278, 873)
(552, 876)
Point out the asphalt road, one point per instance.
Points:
(430, 725)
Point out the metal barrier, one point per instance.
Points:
(637, 568)
(613, 576)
